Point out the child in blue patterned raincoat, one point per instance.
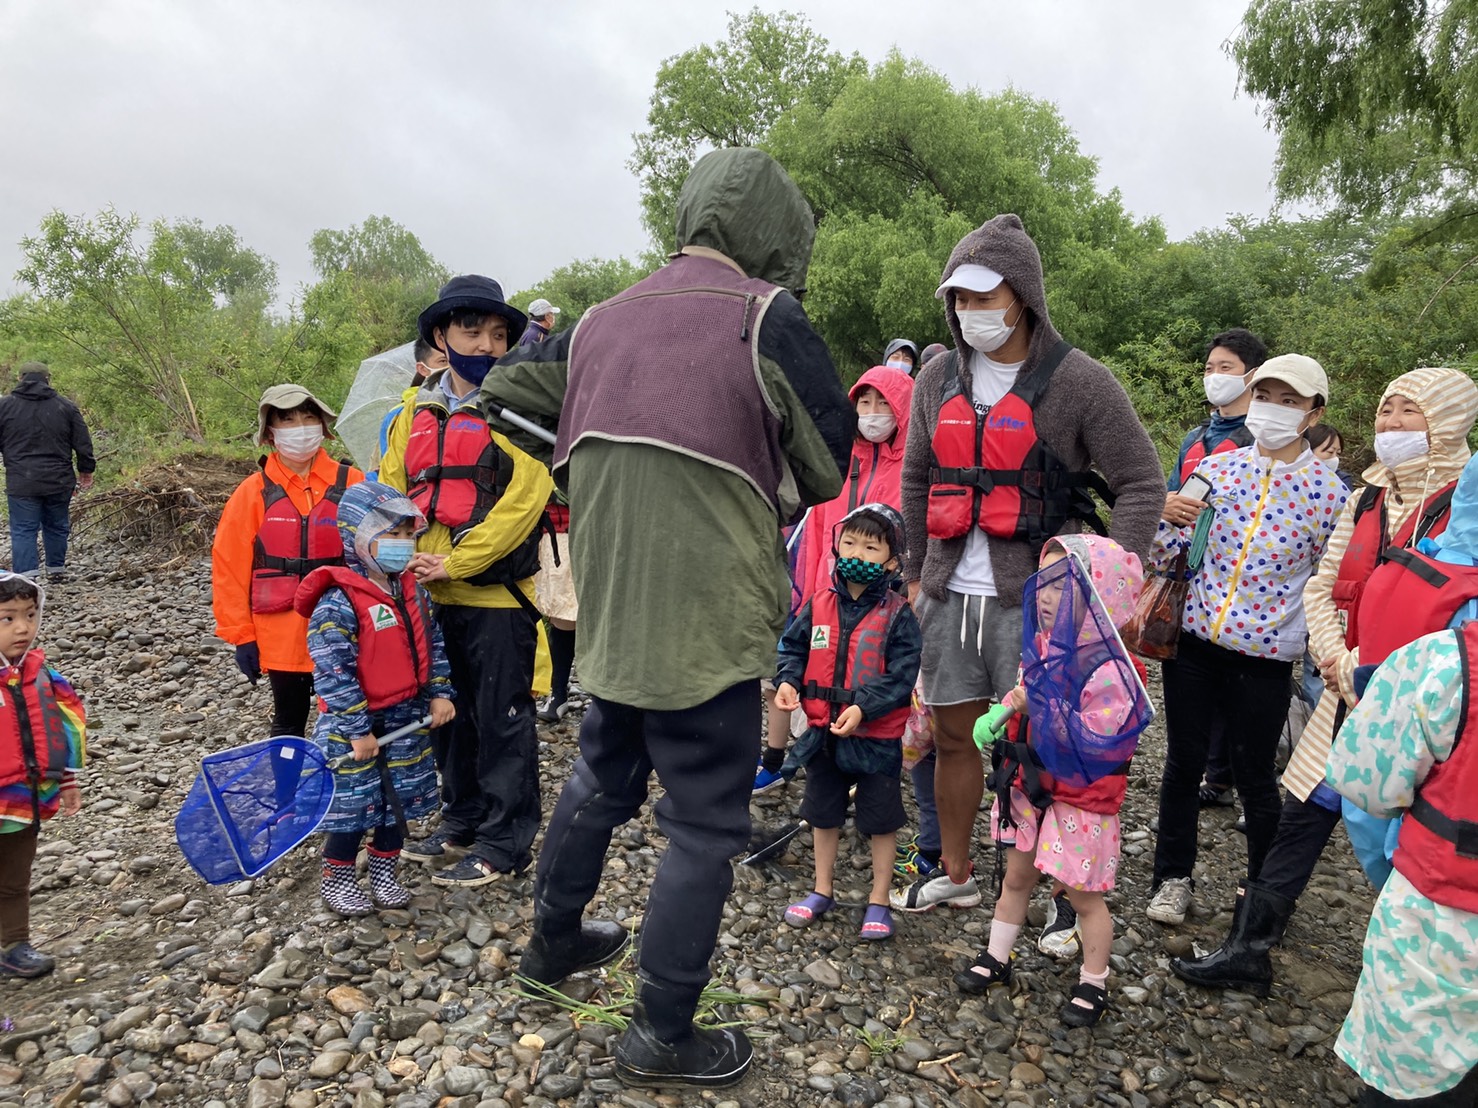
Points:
(378, 664)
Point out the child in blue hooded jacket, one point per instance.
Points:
(378, 664)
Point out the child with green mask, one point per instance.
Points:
(850, 660)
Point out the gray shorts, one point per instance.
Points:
(972, 648)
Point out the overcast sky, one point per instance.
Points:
(501, 137)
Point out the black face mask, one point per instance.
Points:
(470, 367)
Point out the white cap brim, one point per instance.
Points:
(973, 278)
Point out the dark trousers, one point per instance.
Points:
(489, 754)
(52, 517)
(343, 846)
(1218, 758)
(561, 660)
(1206, 685)
(704, 759)
(1303, 829)
(292, 696)
(17, 854)
(1462, 1095)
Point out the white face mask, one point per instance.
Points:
(1395, 447)
(985, 329)
(298, 444)
(899, 363)
(1273, 425)
(1223, 388)
(877, 427)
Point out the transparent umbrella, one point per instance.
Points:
(377, 389)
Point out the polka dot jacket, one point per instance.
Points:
(1270, 525)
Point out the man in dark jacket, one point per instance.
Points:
(680, 471)
(39, 433)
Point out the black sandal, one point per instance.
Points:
(983, 974)
(1075, 1015)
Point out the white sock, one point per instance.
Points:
(1086, 978)
(1002, 939)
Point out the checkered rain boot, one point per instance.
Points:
(341, 891)
(388, 892)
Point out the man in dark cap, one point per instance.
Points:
(40, 432)
(482, 498)
(680, 472)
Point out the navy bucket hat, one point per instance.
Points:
(478, 294)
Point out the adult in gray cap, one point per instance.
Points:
(541, 322)
(40, 432)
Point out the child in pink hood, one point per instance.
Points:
(1083, 698)
(882, 397)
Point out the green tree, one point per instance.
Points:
(583, 283)
(138, 319)
(899, 165)
(375, 278)
(729, 93)
(1374, 101)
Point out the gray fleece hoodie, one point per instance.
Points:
(1084, 417)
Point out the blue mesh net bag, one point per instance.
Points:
(250, 805)
(1087, 703)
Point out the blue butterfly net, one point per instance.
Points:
(1087, 703)
(250, 805)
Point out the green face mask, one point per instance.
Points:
(859, 571)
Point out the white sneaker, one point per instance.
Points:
(1059, 938)
(1171, 901)
(928, 893)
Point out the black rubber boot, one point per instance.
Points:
(549, 960)
(1242, 961)
(711, 1057)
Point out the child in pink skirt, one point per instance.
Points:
(1068, 831)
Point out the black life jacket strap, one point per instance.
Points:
(1461, 833)
(831, 694)
(1419, 566)
(296, 567)
(28, 754)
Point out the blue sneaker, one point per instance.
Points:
(766, 781)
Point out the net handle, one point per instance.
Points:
(385, 740)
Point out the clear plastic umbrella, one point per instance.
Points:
(377, 389)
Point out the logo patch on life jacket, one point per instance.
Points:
(1006, 423)
(820, 637)
(383, 617)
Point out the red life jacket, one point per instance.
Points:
(289, 546)
(1014, 765)
(1437, 849)
(1370, 546)
(1408, 596)
(455, 472)
(394, 662)
(842, 662)
(1239, 438)
(33, 733)
(994, 472)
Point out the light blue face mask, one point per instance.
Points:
(393, 555)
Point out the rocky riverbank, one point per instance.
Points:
(169, 991)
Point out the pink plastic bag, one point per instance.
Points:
(918, 732)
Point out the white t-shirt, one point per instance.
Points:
(989, 382)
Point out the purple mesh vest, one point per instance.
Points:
(674, 362)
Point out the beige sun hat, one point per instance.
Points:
(285, 398)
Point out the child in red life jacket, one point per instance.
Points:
(42, 740)
(850, 660)
(1082, 697)
(378, 664)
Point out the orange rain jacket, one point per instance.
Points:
(281, 637)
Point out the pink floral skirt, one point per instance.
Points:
(1078, 848)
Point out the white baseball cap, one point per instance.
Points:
(972, 278)
(541, 307)
(1298, 371)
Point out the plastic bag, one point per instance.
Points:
(918, 732)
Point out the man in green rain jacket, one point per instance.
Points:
(697, 413)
